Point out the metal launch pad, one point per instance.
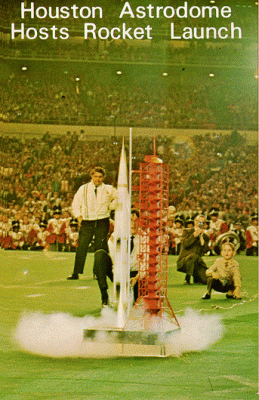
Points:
(144, 334)
(116, 342)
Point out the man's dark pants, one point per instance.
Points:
(102, 269)
(89, 229)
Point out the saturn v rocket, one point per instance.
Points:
(121, 245)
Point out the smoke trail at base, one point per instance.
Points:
(60, 335)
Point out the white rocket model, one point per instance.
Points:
(121, 269)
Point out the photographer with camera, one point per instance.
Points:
(194, 245)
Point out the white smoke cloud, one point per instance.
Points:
(198, 332)
(60, 335)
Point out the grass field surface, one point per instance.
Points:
(35, 282)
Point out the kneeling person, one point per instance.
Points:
(194, 245)
(224, 275)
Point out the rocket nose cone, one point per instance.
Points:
(122, 177)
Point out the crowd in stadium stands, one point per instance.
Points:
(121, 51)
(91, 102)
(209, 174)
(215, 175)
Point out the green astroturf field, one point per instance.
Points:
(36, 282)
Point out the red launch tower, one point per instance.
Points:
(153, 204)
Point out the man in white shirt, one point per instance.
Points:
(91, 206)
